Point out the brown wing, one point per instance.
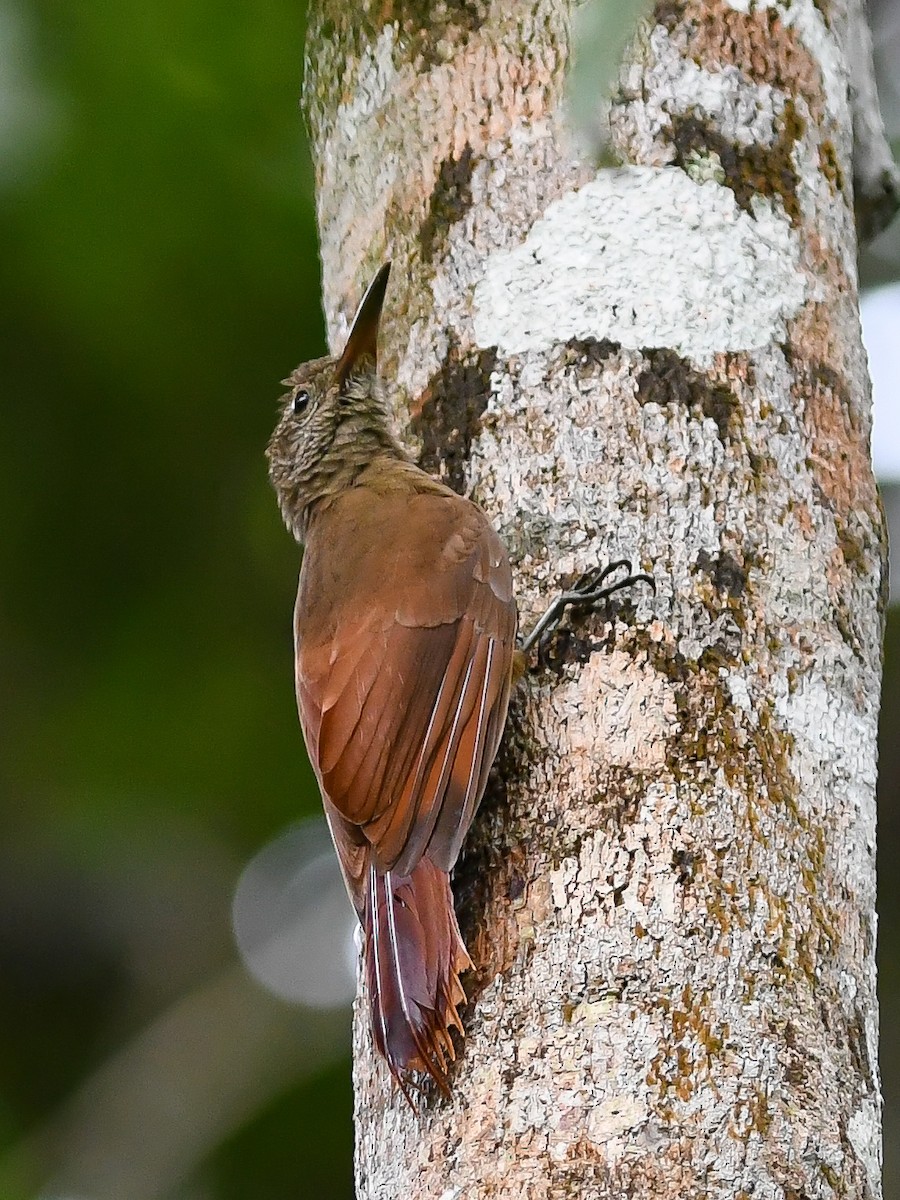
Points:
(405, 633)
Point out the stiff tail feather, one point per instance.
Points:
(413, 956)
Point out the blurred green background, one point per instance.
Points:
(159, 276)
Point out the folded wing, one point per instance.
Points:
(403, 693)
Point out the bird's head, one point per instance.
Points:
(333, 420)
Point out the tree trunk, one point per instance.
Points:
(669, 892)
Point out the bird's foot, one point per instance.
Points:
(590, 590)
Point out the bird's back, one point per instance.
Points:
(405, 631)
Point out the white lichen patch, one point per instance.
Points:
(375, 78)
(669, 84)
(833, 734)
(864, 1132)
(738, 689)
(614, 1117)
(593, 1012)
(722, 280)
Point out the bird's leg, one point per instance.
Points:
(589, 590)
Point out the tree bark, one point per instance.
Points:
(669, 892)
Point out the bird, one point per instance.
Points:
(405, 652)
(405, 638)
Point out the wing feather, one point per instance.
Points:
(401, 836)
(403, 695)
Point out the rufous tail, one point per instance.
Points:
(413, 956)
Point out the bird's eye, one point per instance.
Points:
(301, 400)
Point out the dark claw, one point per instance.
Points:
(590, 589)
(597, 576)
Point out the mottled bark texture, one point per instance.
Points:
(669, 892)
